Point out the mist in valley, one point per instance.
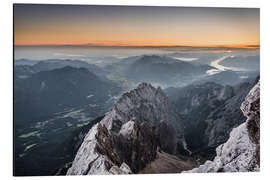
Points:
(61, 92)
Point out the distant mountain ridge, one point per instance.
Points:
(158, 70)
(22, 62)
(50, 64)
(163, 70)
(58, 88)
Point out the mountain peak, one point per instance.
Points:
(70, 69)
(144, 103)
(144, 85)
(142, 120)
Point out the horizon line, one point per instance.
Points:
(143, 46)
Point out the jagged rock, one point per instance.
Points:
(86, 154)
(124, 169)
(166, 135)
(131, 132)
(63, 170)
(100, 166)
(251, 109)
(127, 128)
(136, 149)
(210, 111)
(241, 152)
(227, 116)
(142, 146)
(145, 103)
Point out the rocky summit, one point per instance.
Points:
(241, 153)
(142, 123)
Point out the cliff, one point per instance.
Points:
(142, 122)
(241, 153)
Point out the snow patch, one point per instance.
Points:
(127, 128)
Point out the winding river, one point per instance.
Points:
(220, 68)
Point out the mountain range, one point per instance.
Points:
(48, 107)
(72, 117)
(143, 121)
(128, 137)
(241, 152)
(167, 71)
(50, 64)
(210, 111)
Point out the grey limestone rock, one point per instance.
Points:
(128, 137)
(241, 152)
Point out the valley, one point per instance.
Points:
(57, 101)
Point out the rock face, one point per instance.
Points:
(241, 152)
(128, 137)
(251, 109)
(209, 111)
(226, 116)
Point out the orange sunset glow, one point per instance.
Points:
(135, 26)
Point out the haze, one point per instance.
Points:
(135, 26)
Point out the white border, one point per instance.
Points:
(202, 3)
(6, 84)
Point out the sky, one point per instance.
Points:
(135, 25)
